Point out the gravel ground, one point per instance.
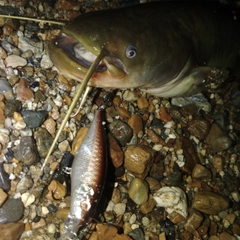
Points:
(173, 172)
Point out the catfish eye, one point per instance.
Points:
(131, 52)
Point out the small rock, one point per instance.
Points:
(226, 236)
(64, 146)
(203, 202)
(11, 211)
(138, 159)
(119, 209)
(137, 234)
(142, 103)
(122, 131)
(27, 151)
(199, 128)
(56, 190)
(11, 231)
(6, 89)
(135, 122)
(12, 106)
(148, 206)
(51, 228)
(62, 213)
(235, 97)
(218, 139)
(217, 162)
(50, 125)
(164, 115)
(3, 197)
(153, 183)
(200, 172)
(172, 199)
(39, 224)
(34, 119)
(193, 222)
(116, 152)
(43, 141)
(15, 61)
(46, 62)
(123, 113)
(5, 182)
(24, 184)
(138, 191)
(27, 199)
(106, 232)
(116, 196)
(23, 91)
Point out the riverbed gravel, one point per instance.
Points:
(173, 172)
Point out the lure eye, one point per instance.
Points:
(131, 52)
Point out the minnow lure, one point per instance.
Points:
(87, 177)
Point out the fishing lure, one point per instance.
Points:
(87, 177)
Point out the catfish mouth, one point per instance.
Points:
(78, 53)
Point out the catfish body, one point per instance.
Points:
(165, 48)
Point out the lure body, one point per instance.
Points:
(87, 177)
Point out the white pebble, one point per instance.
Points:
(119, 208)
(46, 62)
(27, 199)
(15, 61)
(20, 125)
(145, 221)
(173, 199)
(110, 206)
(51, 228)
(235, 196)
(45, 210)
(132, 219)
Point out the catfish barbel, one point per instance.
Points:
(164, 48)
(87, 177)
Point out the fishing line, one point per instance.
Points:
(74, 102)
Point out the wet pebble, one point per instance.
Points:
(56, 190)
(5, 182)
(27, 151)
(194, 221)
(137, 234)
(39, 224)
(200, 172)
(173, 199)
(50, 125)
(6, 89)
(218, 139)
(24, 184)
(199, 128)
(12, 106)
(11, 231)
(43, 141)
(138, 159)
(135, 122)
(28, 198)
(122, 131)
(15, 61)
(235, 97)
(24, 92)
(115, 150)
(34, 119)
(142, 103)
(46, 62)
(138, 191)
(164, 115)
(203, 200)
(11, 211)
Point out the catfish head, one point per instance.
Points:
(162, 48)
